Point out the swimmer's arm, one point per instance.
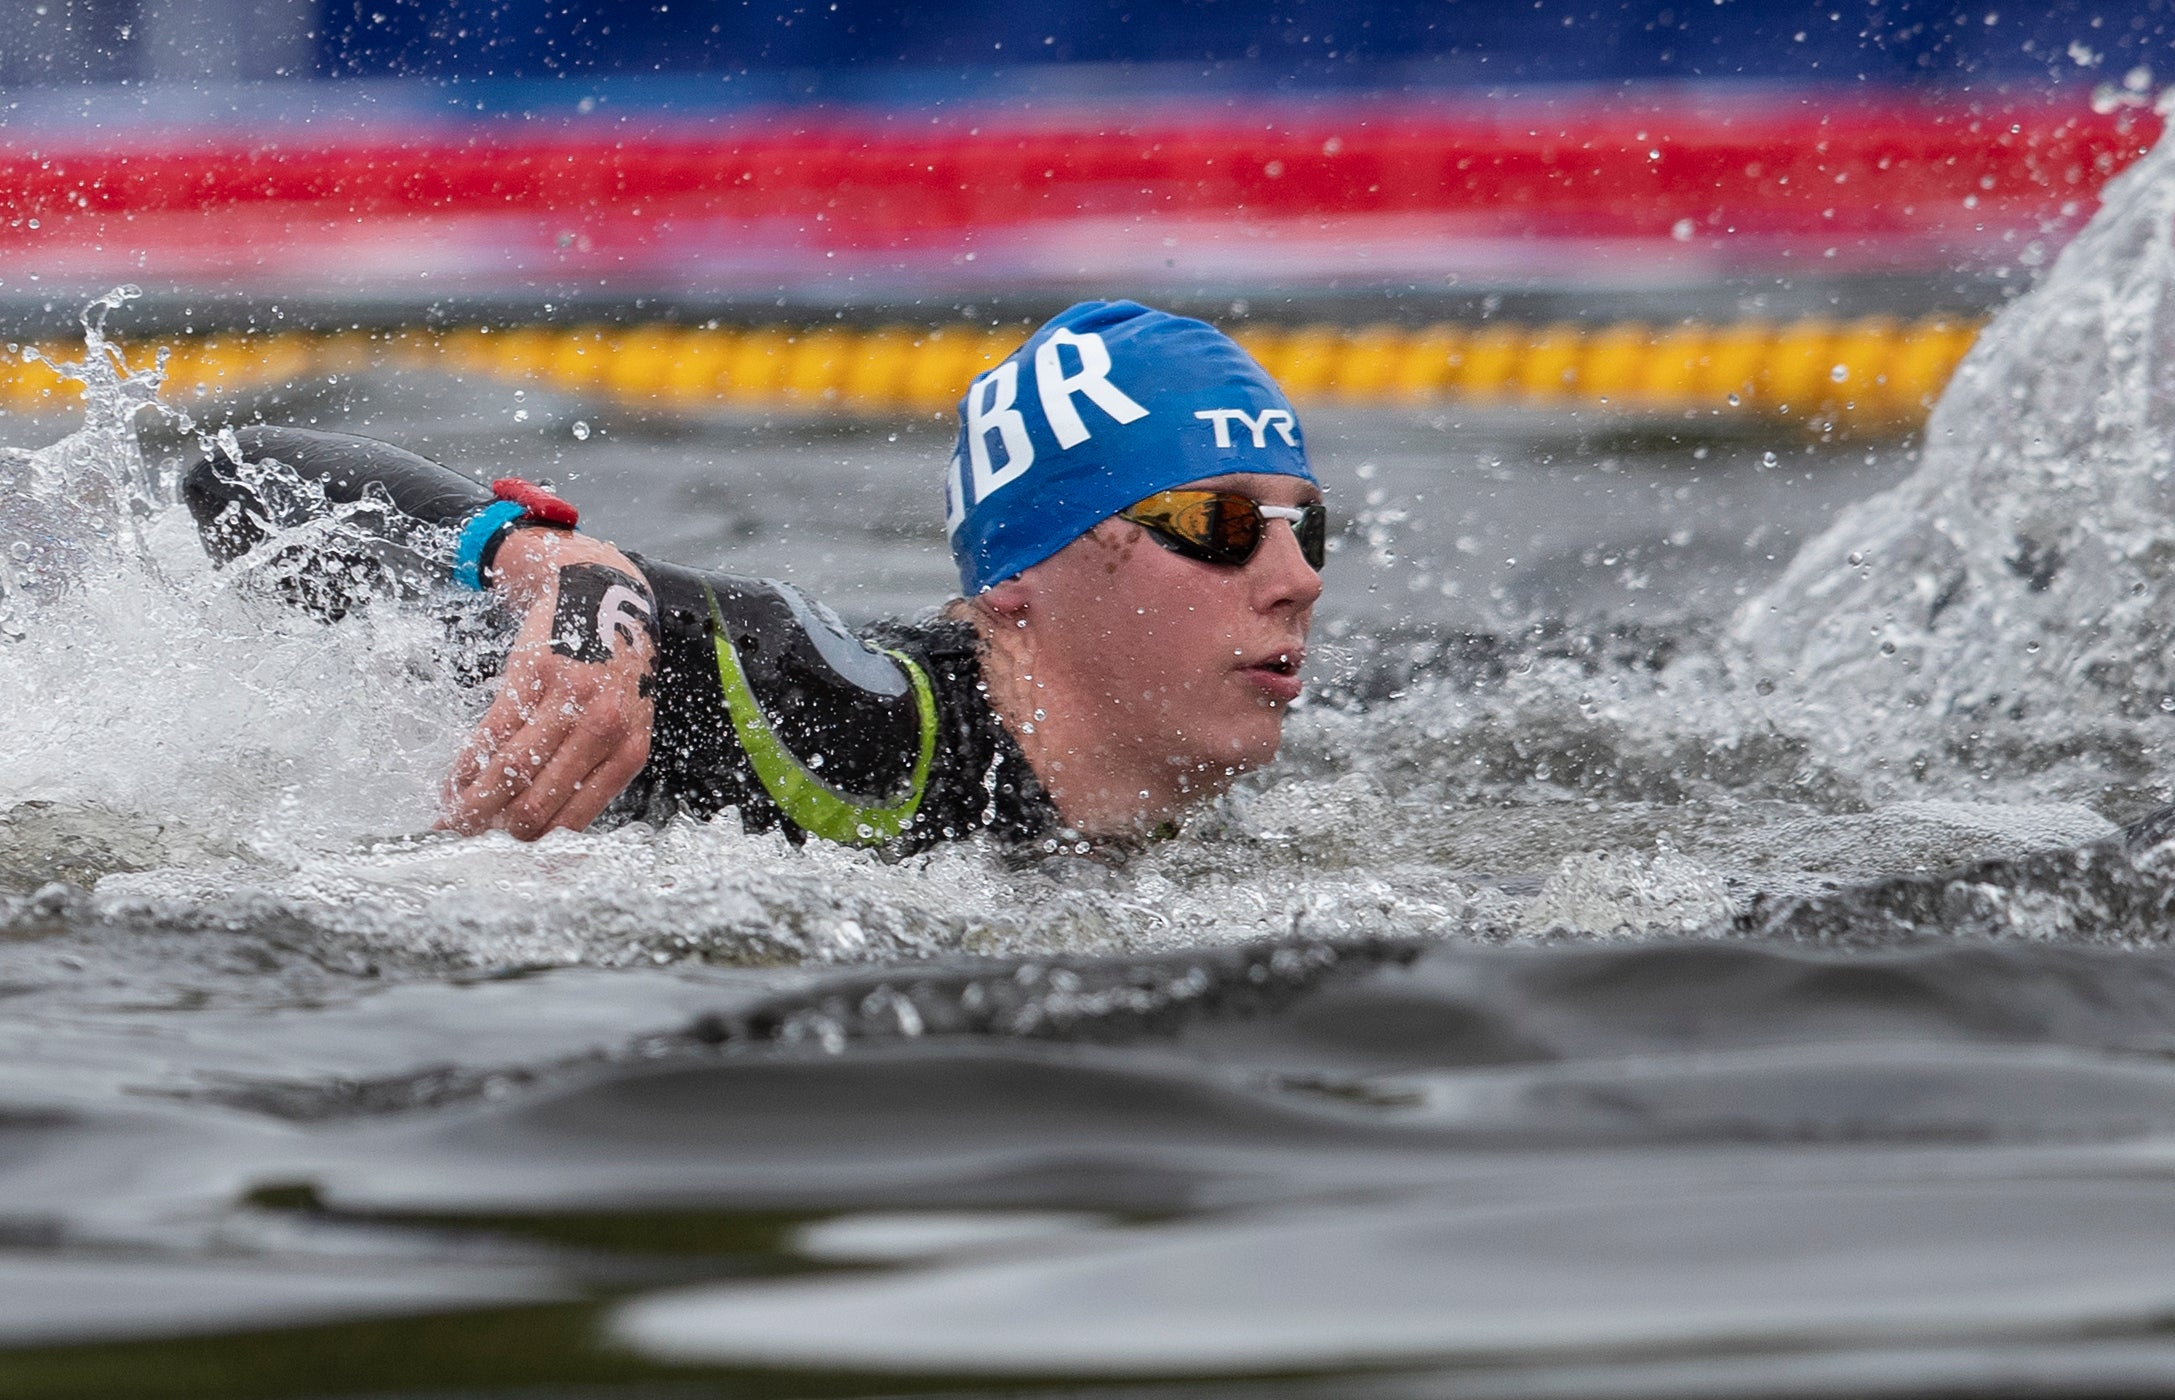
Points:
(570, 725)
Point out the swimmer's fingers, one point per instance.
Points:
(605, 782)
(500, 723)
(499, 758)
(493, 771)
(587, 769)
(565, 796)
(567, 755)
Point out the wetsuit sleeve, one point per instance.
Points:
(397, 515)
(347, 469)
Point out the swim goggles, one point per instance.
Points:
(1223, 527)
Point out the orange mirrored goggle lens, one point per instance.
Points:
(1223, 527)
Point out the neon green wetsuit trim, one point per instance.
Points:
(807, 800)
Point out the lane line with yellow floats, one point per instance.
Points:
(1873, 374)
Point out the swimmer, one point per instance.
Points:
(1139, 542)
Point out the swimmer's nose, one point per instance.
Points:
(1279, 572)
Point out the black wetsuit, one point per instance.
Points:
(765, 701)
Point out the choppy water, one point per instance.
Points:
(1655, 968)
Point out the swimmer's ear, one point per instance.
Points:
(1010, 600)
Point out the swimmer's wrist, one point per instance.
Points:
(527, 571)
(517, 504)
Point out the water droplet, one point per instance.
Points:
(1734, 401)
(521, 415)
(581, 431)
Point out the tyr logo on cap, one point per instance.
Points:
(1277, 418)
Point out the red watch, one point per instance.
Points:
(539, 507)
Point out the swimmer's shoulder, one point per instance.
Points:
(878, 736)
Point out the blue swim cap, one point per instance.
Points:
(1109, 403)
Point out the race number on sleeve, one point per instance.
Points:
(600, 610)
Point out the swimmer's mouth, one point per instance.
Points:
(1276, 676)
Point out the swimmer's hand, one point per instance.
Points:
(570, 725)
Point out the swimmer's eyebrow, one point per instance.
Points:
(1311, 495)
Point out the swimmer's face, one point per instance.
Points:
(1199, 660)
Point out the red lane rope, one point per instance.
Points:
(1794, 168)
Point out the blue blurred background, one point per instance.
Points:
(797, 47)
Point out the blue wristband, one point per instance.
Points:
(476, 536)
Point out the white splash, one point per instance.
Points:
(79, 502)
(2010, 608)
(156, 709)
